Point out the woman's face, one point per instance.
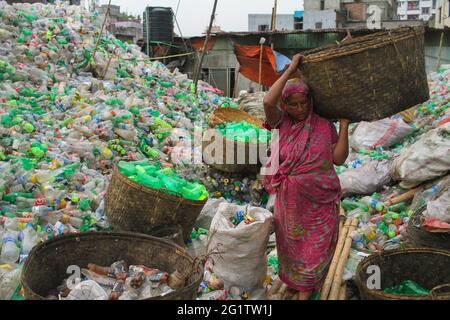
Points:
(298, 106)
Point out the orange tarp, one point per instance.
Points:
(248, 57)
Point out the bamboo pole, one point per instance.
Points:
(404, 197)
(337, 281)
(260, 63)
(343, 291)
(438, 64)
(205, 46)
(337, 253)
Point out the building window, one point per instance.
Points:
(425, 10)
(440, 15)
(413, 5)
(322, 4)
(263, 27)
(413, 17)
(434, 4)
(318, 25)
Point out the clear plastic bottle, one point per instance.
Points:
(10, 251)
(9, 281)
(30, 239)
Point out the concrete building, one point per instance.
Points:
(442, 17)
(416, 9)
(263, 22)
(127, 31)
(323, 14)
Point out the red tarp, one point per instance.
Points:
(248, 57)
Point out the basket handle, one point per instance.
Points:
(434, 295)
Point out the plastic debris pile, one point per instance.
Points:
(117, 282)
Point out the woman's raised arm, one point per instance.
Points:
(273, 114)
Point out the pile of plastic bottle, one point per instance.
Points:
(119, 281)
(71, 106)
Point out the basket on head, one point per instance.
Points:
(369, 77)
(425, 266)
(130, 206)
(47, 264)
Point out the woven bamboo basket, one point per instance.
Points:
(425, 266)
(423, 238)
(369, 77)
(229, 155)
(130, 206)
(46, 266)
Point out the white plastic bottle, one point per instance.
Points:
(10, 251)
(30, 239)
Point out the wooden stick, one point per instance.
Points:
(337, 253)
(343, 291)
(342, 261)
(404, 197)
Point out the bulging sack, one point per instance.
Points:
(366, 179)
(242, 261)
(426, 159)
(383, 133)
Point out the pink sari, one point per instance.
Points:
(307, 193)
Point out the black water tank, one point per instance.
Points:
(158, 24)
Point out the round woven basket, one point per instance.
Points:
(46, 266)
(369, 77)
(425, 266)
(229, 155)
(423, 238)
(130, 206)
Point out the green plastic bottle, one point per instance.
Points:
(127, 168)
(148, 181)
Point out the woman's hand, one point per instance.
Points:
(344, 123)
(296, 61)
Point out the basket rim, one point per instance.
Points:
(367, 42)
(155, 192)
(61, 239)
(388, 253)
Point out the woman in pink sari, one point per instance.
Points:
(306, 185)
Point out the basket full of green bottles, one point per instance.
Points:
(143, 195)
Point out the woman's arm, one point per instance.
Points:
(273, 114)
(340, 150)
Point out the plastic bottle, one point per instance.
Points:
(10, 251)
(9, 283)
(374, 204)
(30, 239)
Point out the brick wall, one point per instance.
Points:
(357, 11)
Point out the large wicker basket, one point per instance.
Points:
(369, 77)
(423, 238)
(425, 266)
(46, 266)
(130, 206)
(244, 157)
